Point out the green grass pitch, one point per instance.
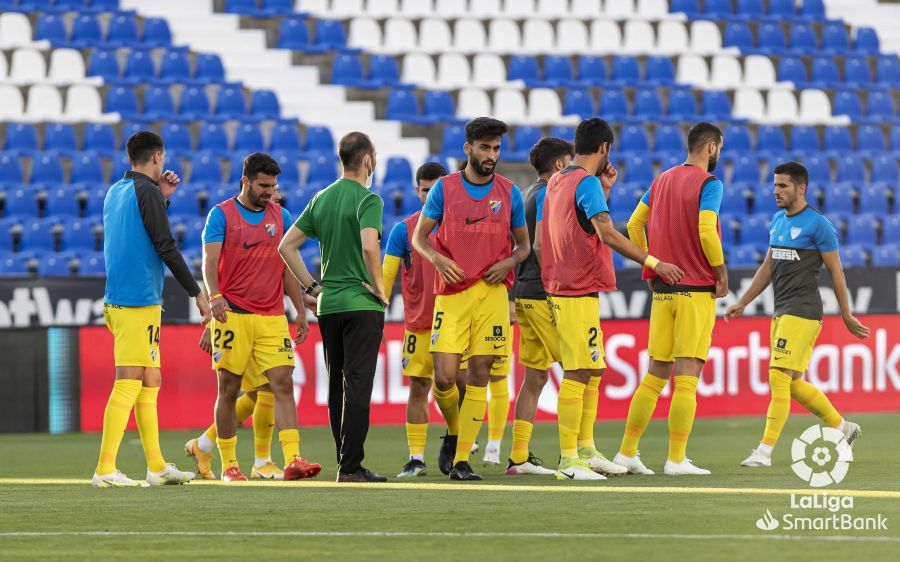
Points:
(49, 510)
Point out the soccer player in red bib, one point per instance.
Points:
(576, 265)
(248, 280)
(416, 282)
(681, 215)
(475, 211)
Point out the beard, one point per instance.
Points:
(712, 163)
(479, 168)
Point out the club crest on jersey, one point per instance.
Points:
(270, 228)
(434, 337)
(153, 355)
(405, 363)
(795, 232)
(217, 356)
(495, 205)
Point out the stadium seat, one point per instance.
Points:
(122, 100)
(718, 9)
(213, 137)
(634, 139)
(825, 73)
(770, 39)
(47, 169)
(862, 229)
(870, 140)
(853, 255)
(248, 138)
(813, 9)
(21, 139)
(887, 255)
(625, 70)
(383, 71)
(86, 168)
(525, 137)
(804, 139)
(792, 69)
(284, 137)
(648, 105)
(293, 34)
(838, 198)
(14, 265)
(558, 71)
(208, 69)
(888, 69)
(874, 199)
(194, 104)
(885, 169)
(158, 104)
(764, 200)
(848, 103)
(838, 140)
(104, 64)
(50, 27)
(319, 140)
(230, 103)
(592, 69)
(745, 169)
(668, 139)
(738, 35)
(770, 141)
(39, 235)
(438, 105)
(754, 230)
(525, 68)
(402, 105)
(880, 106)
(322, 171)
(122, 31)
(781, 9)
(716, 105)
(398, 171)
(177, 136)
(639, 170)
(803, 39)
(99, 138)
(579, 102)
(819, 169)
(85, 32)
(623, 199)
(92, 265)
(857, 71)
(21, 202)
(682, 105)
(82, 235)
(737, 139)
(61, 204)
(347, 70)
(835, 38)
(453, 139)
(184, 202)
(205, 169)
(175, 68)
(330, 35)
(156, 33)
(613, 104)
(734, 200)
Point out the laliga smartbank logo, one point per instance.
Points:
(821, 457)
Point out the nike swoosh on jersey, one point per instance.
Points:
(248, 246)
(473, 221)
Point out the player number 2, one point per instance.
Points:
(438, 320)
(226, 343)
(153, 334)
(592, 332)
(411, 344)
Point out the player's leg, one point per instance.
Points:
(643, 403)
(419, 370)
(498, 410)
(201, 448)
(695, 316)
(232, 343)
(263, 427)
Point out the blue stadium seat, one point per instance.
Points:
(60, 203)
(85, 32)
(874, 199)
(6, 234)
(592, 69)
(264, 104)
(453, 139)
(770, 39)
(293, 34)
(813, 9)
(623, 199)
(14, 265)
(175, 68)
(633, 138)
(347, 70)
(867, 41)
(745, 169)
(50, 27)
(290, 173)
(21, 139)
(648, 105)
(750, 8)
(245, 7)
(626, 70)
(193, 234)
(39, 234)
(835, 37)
(319, 140)
(248, 138)
(838, 140)
(330, 34)
(122, 100)
(887, 255)
(558, 72)
(770, 140)
(82, 235)
(716, 105)
(718, 9)
(285, 138)
(847, 103)
(754, 230)
(21, 202)
(104, 64)
(525, 137)
(10, 169)
(194, 104)
(825, 73)
(156, 32)
(322, 170)
(737, 34)
(276, 7)
(853, 255)
(230, 103)
(139, 67)
(880, 106)
(213, 137)
(94, 197)
(838, 198)
(870, 140)
(184, 202)
(792, 69)
(564, 132)
(781, 9)
(862, 229)
(46, 169)
(523, 67)
(734, 200)
(682, 104)
(639, 170)
(177, 136)
(208, 69)
(743, 255)
(884, 169)
(206, 168)
(100, 139)
(438, 105)
(668, 139)
(613, 105)
(852, 169)
(92, 265)
(579, 102)
(803, 39)
(819, 169)
(398, 170)
(104, 5)
(764, 200)
(805, 139)
(888, 69)
(402, 105)
(122, 31)
(857, 71)
(689, 7)
(86, 168)
(158, 104)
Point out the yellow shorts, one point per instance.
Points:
(577, 322)
(416, 358)
(538, 340)
(253, 378)
(792, 340)
(476, 319)
(136, 333)
(499, 368)
(681, 325)
(246, 341)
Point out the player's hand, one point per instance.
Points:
(448, 269)
(302, 327)
(206, 341)
(512, 312)
(204, 307)
(669, 273)
(497, 273)
(734, 311)
(856, 327)
(721, 288)
(377, 294)
(219, 308)
(608, 178)
(168, 182)
(650, 284)
(312, 304)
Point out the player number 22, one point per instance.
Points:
(592, 332)
(226, 343)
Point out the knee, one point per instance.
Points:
(419, 388)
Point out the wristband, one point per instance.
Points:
(651, 262)
(214, 297)
(312, 286)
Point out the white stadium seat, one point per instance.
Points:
(382, 8)
(315, 7)
(639, 37)
(725, 72)
(781, 107)
(472, 102)
(44, 103)
(518, 9)
(485, 9)
(759, 72)
(469, 36)
(619, 9)
(364, 33)
(605, 36)
(545, 107)
(418, 68)
(399, 36)
(346, 8)
(504, 36)
(692, 69)
(552, 9)
(538, 36)
(653, 9)
(435, 36)
(672, 37)
(448, 8)
(586, 9)
(453, 71)
(67, 67)
(417, 8)
(748, 104)
(15, 31)
(27, 67)
(509, 105)
(815, 107)
(706, 39)
(572, 37)
(83, 104)
(488, 71)
(12, 106)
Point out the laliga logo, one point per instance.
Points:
(767, 522)
(821, 456)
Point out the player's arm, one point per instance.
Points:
(212, 251)
(832, 261)
(294, 292)
(710, 204)
(397, 248)
(637, 223)
(369, 215)
(289, 248)
(538, 243)
(758, 284)
(433, 211)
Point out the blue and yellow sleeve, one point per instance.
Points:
(398, 241)
(710, 204)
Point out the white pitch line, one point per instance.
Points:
(451, 534)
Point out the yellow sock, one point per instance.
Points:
(643, 403)
(448, 402)
(263, 424)
(471, 416)
(498, 409)
(779, 406)
(816, 402)
(148, 425)
(228, 451)
(290, 444)
(121, 399)
(590, 399)
(211, 432)
(681, 415)
(569, 406)
(242, 409)
(521, 438)
(415, 438)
